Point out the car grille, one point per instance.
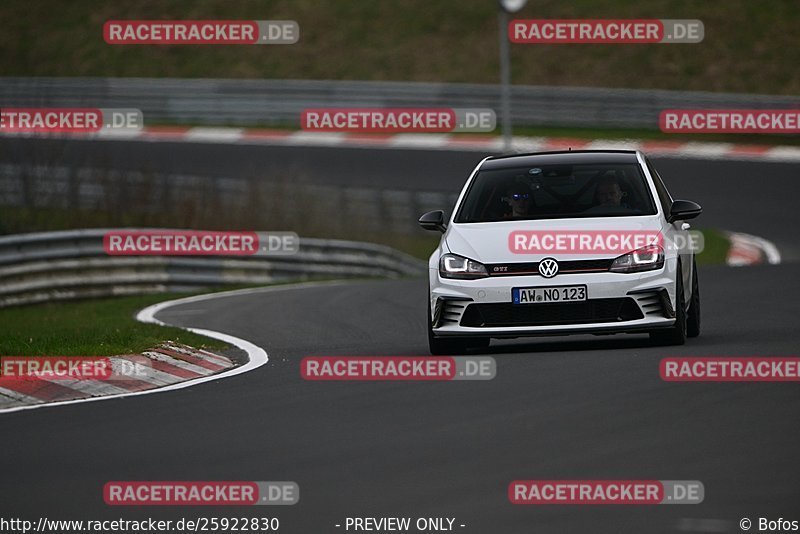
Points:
(558, 313)
(564, 267)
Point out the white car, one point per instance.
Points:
(555, 243)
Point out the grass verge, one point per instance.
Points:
(102, 327)
(715, 249)
(748, 46)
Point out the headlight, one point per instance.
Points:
(647, 258)
(453, 266)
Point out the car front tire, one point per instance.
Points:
(693, 315)
(675, 335)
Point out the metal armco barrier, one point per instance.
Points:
(40, 267)
(332, 208)
(269, 102)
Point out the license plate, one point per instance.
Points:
(543, 295)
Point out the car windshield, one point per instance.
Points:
(557, 192)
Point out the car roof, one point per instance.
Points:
(560, 157)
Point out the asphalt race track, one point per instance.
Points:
(559, 408)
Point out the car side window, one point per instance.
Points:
(663, 195)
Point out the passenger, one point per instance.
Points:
(520, 198)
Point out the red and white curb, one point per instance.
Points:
(746, 249)
(485, 143)
(256, 356)
(167, 364)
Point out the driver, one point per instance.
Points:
(609, 193)
(519, 197)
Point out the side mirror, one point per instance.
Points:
(683, 210)
(433, 220)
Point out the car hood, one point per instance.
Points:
(489, 242)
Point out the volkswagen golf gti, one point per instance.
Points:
(559, 243)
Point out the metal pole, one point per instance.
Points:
(505, 79)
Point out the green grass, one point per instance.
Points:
(102, 327)
(715, 249)
(749, 47)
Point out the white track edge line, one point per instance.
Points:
(256, 355)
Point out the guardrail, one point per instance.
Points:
(40, 267)
(239, 202)
(271, 102)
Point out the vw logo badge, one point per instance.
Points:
(548, 267)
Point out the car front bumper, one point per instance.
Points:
(616, 302)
